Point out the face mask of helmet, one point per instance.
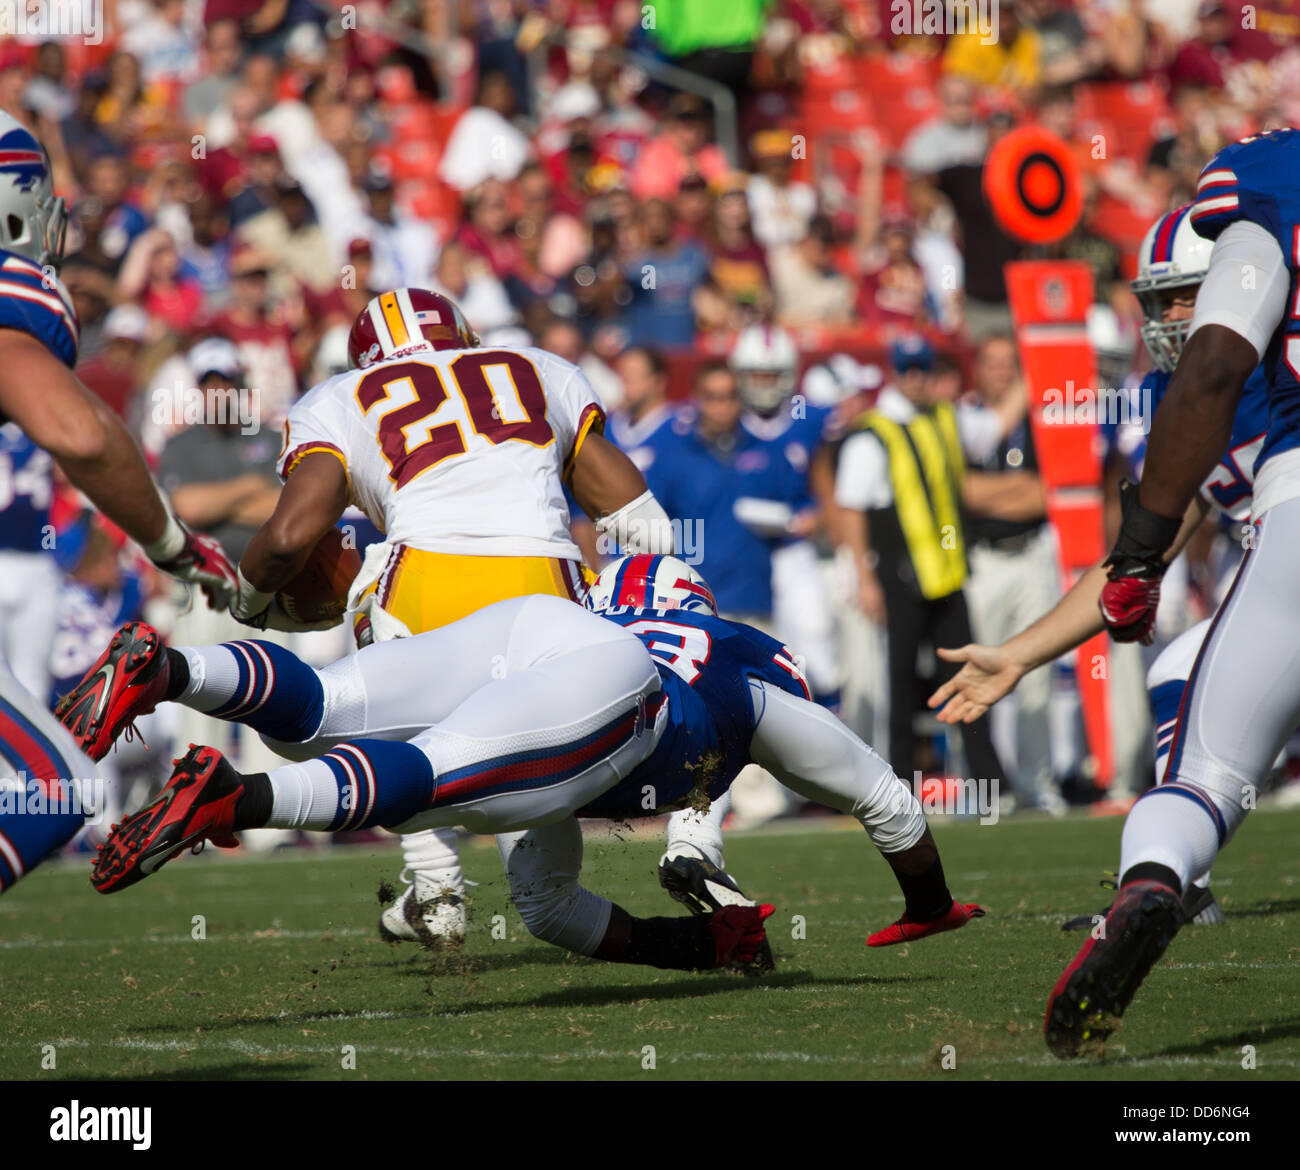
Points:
(1164, 339)
(764, 391)
(33, 223)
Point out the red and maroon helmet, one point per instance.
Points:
(407, 320)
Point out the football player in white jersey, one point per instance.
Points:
(459, 454)
(39, 393)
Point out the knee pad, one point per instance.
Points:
(563, 913)
(892, 815)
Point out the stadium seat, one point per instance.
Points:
(840, 109)
(1136, 112)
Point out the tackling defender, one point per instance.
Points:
(38, 392)
(1242, 699)
(1172, 263)
(514, 721)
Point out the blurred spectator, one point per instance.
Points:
(262, 332)
(92, 290)
(206, 256)
(166, 44)
(484, 143)
(723, 486)
(739, 263)
(1011, 60)
(565, 339)
(554, 241)
(953, 137)
(48, 92)
(220, 75)
(663, 277)
(1202, 60)
(288, 232)
(489, 233)
(715, 41)
(219, 474)
(114, 372)
(152, 274)
(893, 289)
(108, 222)
(83, 136)
(781, 209)
(468, 279)
(683, 148)
(807, 287)
(985, 247)
(638, 423)
(405, 249)
(1013, 572)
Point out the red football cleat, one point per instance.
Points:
(128, 681)
(738, 933)
(198, 804)
(905, 930)
(1094, 990)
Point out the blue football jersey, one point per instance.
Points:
(794, 434)
(33, 300)
(1231, 485)
(639, 440)
(1258, 180)
(26, 488)
(705, 663)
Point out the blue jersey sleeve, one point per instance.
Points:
(1251, 180)
(35, 302)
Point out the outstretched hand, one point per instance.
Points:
(987, 674)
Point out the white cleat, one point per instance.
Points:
(434, 922)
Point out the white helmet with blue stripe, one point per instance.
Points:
(33, 219)
(647, 581)
(1172, 258)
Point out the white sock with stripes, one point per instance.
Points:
(303, 796)
(214, 677)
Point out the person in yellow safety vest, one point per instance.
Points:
(899, 477)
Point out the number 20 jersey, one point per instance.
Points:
(455, 451)
(706, 664)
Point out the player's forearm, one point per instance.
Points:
(104, 463)
(309, 505)
(1071, 622)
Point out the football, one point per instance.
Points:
(320, 590)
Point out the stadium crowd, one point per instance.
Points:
(630, 186)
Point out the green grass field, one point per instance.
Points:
(291, 971)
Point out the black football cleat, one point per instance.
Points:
(1095, 989)
(688, 877)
